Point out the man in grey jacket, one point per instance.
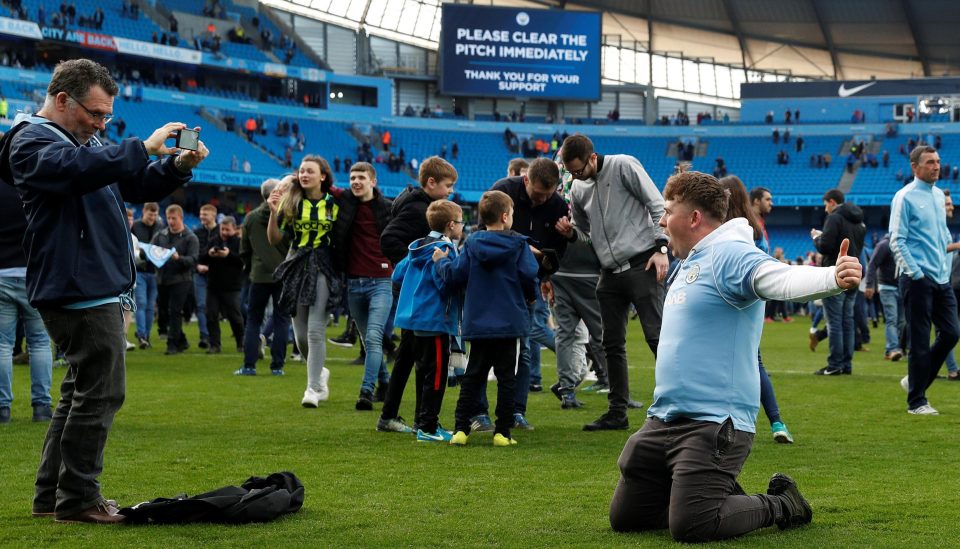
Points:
(617, 208)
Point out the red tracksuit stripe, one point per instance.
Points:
(436, 378)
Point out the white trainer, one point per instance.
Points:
(925, 410)
(323, 393)
(310, 398)
(905, 383)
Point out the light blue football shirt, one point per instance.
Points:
(707, 366)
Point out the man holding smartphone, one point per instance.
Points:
(80, 267)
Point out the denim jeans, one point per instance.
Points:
(200, 294)
(541, 335)
(839, 311)
(91, 394)
(146, 296)
(892, 317)
(370, 301)
(14, 307)
(260, 294)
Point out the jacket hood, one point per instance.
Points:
(736, 229)
(421, 250)
(492, 248)
(850, 212)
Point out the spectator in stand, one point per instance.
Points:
(145, 229)
(851, 160)
(250, 127)
(776, 137)
(826, 160)
(796, 116)
(127, 91)
(786, 116)
(800, 143)
(260, 260)
(176, 275)
(234, 164)
(246, 166)
(225, 280)
(886, 159)
(385, 140)
(454, 150)
(206, 233)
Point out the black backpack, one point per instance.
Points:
(256, 500)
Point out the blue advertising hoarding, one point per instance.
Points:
(512, 52)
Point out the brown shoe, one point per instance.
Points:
(814, 341)
(101, 513)
(50, 513)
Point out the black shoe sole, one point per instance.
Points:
(364, 405)
(606, 426)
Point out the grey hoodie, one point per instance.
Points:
(618, 211)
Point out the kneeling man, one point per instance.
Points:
(680, 470)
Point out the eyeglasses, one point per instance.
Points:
(578, 173)
(98, 117)
(457, 222)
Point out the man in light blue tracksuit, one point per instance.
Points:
(919, 239)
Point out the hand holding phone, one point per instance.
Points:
(188, 139)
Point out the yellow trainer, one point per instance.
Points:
(500, 440)
(459, 438)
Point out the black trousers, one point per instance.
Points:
(176, 299)
(615, 293)
(927, 303)
(403, 363)
(682, 475)
(502, 355)
(433, 356)
(226, 302)
(92, 392)
(163, 309)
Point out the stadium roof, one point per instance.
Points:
(920, 32)
(832, 39)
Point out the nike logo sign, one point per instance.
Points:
(844, 92)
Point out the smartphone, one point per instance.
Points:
(188, 139)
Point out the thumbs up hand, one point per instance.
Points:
(848, 270)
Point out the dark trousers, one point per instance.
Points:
(176, 299)
(433, 355)
(260, 295)
(226, 302)
(503, 356)
(682, 475)
(403, 363)
(93, 389)
(925, 302)
(615, 293)
(163, 309)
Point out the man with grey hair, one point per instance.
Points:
(260, 259)
(80, 266)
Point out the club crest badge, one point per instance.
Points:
(694, 273)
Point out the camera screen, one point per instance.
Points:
(188, 139)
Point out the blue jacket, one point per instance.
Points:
(77, 240)
(426, 303)
(499, 273)
(918, 232)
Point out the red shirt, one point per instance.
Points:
(365, 258)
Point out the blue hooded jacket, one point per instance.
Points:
(499, 273)
(426, 303)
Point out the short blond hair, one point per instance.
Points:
(493, 204)
(437, 168)
(174, 208)
(442, 212)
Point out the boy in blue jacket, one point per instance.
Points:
(499, 273)
(428, 307)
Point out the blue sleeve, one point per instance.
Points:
(453, 273)
(442, 285)
(734, 265)
(527, 270)
(899, 231)
(48, 165)
(400, 270)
